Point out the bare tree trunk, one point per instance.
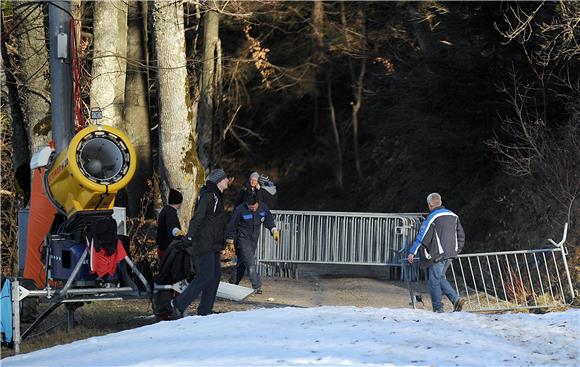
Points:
(12, 113)
(318, 25)
(180, 167)
(136, 115)
(356, 104)
(357, 81)
(11, 106)
(109, 60)
(339, 173)
(205, 122)
(35, 77)
(318, 30)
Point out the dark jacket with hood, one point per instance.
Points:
(244, 227)
(166, 222)
(246, 192)
(207, 226)
(441, 237)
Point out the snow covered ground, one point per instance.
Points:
(330, 336)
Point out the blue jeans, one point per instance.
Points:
(438, 284)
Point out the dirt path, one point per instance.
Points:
(323, 291)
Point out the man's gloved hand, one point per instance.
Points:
(276, 235)
(180, 233)
(410, 258)
(229, 252)
(230, 245)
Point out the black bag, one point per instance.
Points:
(103, 231)
(179, 263)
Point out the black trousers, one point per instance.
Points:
(205, 282)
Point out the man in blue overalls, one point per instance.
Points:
(244, 228)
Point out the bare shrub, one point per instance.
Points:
(142, 230)
(538, 145)
(8, 201)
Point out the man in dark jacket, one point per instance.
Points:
(206, 234)
(251, 188)
(261, 186)
(244, 228)
(439, 241)
(168, 226)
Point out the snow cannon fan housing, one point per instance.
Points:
(99, 161)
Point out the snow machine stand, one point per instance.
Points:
(73, 252)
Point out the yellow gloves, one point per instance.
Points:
(229, 252)
(180, 233)
(276, 236)
(230, 245)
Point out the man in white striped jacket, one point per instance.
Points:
(439, 241)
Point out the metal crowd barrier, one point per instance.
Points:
(332, 238)
(509, 280)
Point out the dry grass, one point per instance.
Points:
(93, 319)
(101, 318)
(481, 301)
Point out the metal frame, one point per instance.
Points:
(69, 295)
(334, 238)
(509, 280)
(492, 281)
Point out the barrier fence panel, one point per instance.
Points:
(334, 239)
(513, 279)
(509, 280)
(488, 281)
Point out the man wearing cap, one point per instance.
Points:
(244, 228)
(168, 226)
(206, 234)
(252, 187)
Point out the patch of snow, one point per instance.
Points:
(329, 336)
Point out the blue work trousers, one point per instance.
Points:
(246, 252)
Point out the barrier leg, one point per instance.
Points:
(16, 315)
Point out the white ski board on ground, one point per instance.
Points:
(233, 292)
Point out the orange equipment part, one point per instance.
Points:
(39, 222)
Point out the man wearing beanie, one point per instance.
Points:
(206, 234)
(251, 188)
(168, 226)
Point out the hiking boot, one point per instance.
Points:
(258, 290)
(458, 305)
(177, 313)
(439, 311)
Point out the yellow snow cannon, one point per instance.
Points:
(99, 161)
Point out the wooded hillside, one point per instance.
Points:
(347, 106)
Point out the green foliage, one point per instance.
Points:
(7, 7)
